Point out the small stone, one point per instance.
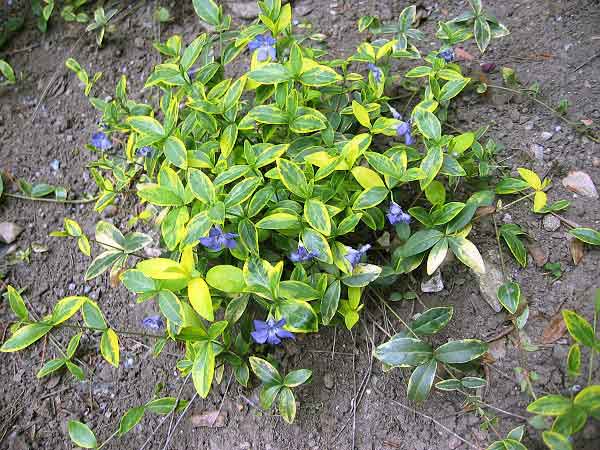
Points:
(539, 254)
(507, 218)
(9, 232)
(434, 284)
(55, 165)
(580, 183)
(551, 222)
(303, 10)
(152, 252)
(546, 136)
(328, 381)
(596, 161)
(72, 286)
(497, 349)
(210, 419)
(529, 126)
(536, 151)
(109, 211)
(138, 42)
(489, 282)
(245, 10)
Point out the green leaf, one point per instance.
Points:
(208, 11)
(65, 309)
(428, 124)
(203, 369)
(362, 275)
(102, 263)
(317, 216)
(404, 351)
(319, 76)
(248, 235)
(137, 282)
(459, 352)
(73, 344)
(270, 114)
(278, 221)
(130, 419)
(579, 328)
(550, 405)
(267, 395)
(509, 295)
(370, 197)
(265, 371)
(298, 290)
(452, 88)
(170, 306)
(473, 382)
(300, 316)
(270, 73)
(226, 278)
(361, 114)
(432, 321)
(482, 33)
(507, 444)
(437, 255)
(516, 246)
(574, 361)
(49, 367)
(242, 191)
(556, 441)
(466, 251)
(511, 186)
(589, 399)
(307, 123)
(587, 235)
(81, 434)
(297, 377)
(16, 303)
(92, 316)
(200, 299)
(147, 126)
(175, 152)
(109, 347)
(293, 178)
(228, 139)
(161, 405)
(287, 404)
(330, 301)
(421, 241)
(158, 195)
(421, 380)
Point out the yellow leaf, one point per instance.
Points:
(162, 269)
(531, 178)
(321, 159)
(366, 177)
(187, 259)
(361, 114)
(539, 201)
(385, 49)
(109, 347)
(199, 296)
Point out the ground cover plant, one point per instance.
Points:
(265, 186)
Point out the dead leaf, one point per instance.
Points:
(485, 211)
(462, 55)
(115, 277)
(555, 329)
(577, 250)
(539, 254)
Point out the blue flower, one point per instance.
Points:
(265, 44)
(101, 141)
(395, 114)
(403, 129)
(153, 322)
(302, 254)
(447, 54)
(192, 72)
(144, 151)
(376, 71)
(395, 214)
(354, 256)
(270, 332)
(217, 240)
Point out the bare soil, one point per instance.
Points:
(549, 40)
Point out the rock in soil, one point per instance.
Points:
(211, 419)
(580, 183)
(434, 284)
(551, 223)
(536, 151)
(9, 232)
(489, 282)
(245, 10)
(328, 381)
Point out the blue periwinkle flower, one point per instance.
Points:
(395, 114)
(153, 322)
(265, 44)
(403, 129)
(144, 151)
(302, 254)
(447, 54)
(217, 240)
(101, 141)
(270, 332)
(396, 215)
(354, 256)
(376, 71)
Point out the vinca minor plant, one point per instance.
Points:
(270, 189)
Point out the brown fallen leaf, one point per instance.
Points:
(555, 329)
(539, 254)
(577, 250)
(485, 211)
(462, 55)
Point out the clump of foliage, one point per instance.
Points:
(271, 189)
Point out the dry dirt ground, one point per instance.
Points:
(549, 40)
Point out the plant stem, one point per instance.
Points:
(108, 440)
(125, 332)
(592, 351)
(508, 205)
(52, 200)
